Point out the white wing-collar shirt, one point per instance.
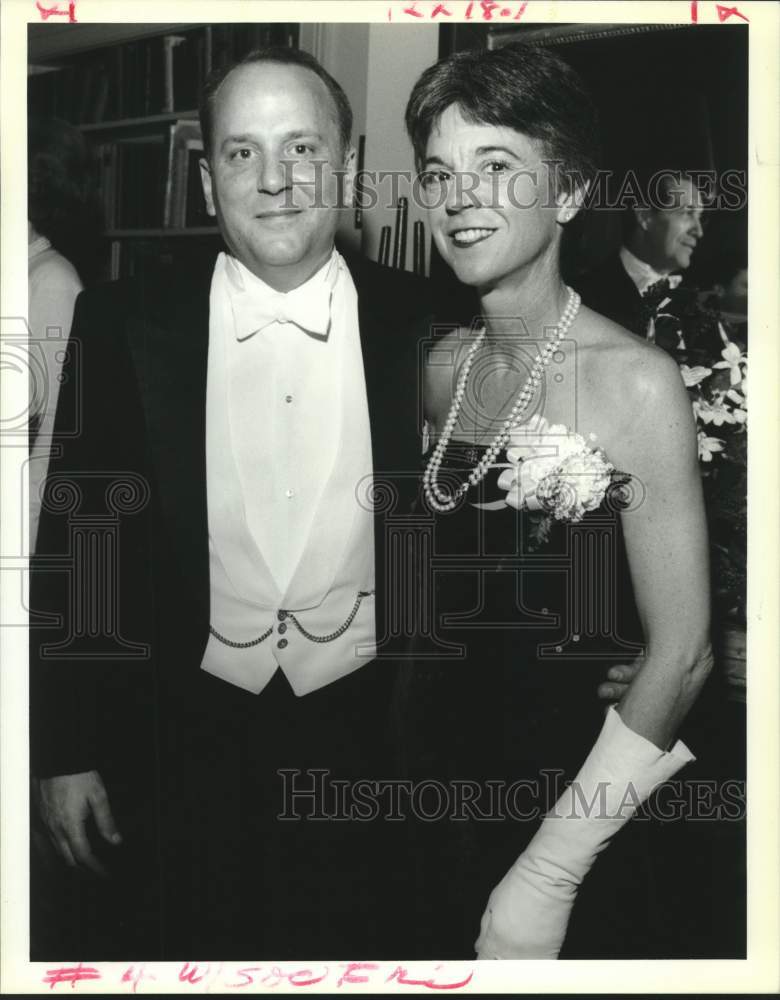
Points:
(642, 274)
(288, 471)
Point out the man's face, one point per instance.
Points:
(671, 234)
(272, 180)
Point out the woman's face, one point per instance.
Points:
(490, 200)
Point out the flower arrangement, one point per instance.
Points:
(713, 364)
(555, 473)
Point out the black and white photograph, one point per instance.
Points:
(388, 593)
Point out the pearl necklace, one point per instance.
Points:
(436, 497)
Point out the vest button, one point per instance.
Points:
(282, 629)
(281, 615)
(282, 644)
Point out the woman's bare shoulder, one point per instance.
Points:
(639, 368)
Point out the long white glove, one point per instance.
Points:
(528, 912)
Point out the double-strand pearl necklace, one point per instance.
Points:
(439, 499)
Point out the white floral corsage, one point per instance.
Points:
(553, 470)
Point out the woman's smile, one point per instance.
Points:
(464, 238)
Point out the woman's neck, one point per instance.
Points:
(524, 304)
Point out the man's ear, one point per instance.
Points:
(570, 202)
(348, 172)
(642, 217)
(205, 179)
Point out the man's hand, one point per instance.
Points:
(618, 680)
(65, 804)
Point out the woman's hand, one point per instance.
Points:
(527, 913)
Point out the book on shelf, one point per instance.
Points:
(152, 181)
(149, 76)
(140, 181)
(184, 203)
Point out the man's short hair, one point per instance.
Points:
(653, 192)
(285, 57)
(517, 86)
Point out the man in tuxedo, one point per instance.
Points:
(210, 647)
(660, 242)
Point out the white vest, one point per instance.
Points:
(331, 550)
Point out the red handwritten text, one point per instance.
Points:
(350, 974)
(724, 13)
(401, 976)
(485, 10)
(47, 12)
(340, 975)
(135, 974)
(494, 10)
(70, 974)
(193, 974)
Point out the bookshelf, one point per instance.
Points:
(133, 94)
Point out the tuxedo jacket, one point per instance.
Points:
(609, 290)
(120, 582)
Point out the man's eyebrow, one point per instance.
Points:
(296, 134)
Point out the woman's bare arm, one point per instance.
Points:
(666, 542)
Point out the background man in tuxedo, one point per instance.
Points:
(231, 419)
(660, 242)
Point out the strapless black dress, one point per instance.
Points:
(499, 704)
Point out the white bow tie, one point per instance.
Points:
(309, 310)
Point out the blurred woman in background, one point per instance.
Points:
(63, 250)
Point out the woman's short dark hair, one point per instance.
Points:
(518, 86)
(286, 57)
(62, 192)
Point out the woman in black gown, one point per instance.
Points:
(568, 531)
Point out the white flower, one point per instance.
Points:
(539, 447)
(576, 486)
(733, 359)
(739, 412)
(713, 413)
(554, 469)
(708, 446)
(692, 376)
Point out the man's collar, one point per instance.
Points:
(243, 280)
(255, 305)
(642, 274)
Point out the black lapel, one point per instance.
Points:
(391, 311)
(169, 342)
